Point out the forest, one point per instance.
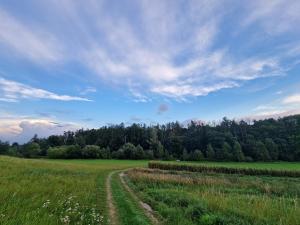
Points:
(228, 140)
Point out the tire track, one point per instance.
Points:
(112, 212)
(144, 206)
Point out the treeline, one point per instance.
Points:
(229, 140)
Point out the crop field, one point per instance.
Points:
(254, 165)
(126, 192)
(184, 198)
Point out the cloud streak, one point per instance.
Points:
(14, 91)
(292, 99)
(158, 52)
(32, 43)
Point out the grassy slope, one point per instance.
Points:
(255, 165)
(74, 188)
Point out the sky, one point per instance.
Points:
(68, 64)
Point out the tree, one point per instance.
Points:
(92, 152)
(272, 148)
(73, 152)
(237, 153)
(140, 154)
(210, 153)
(14, 150)
(185, 155)
(4, 147)
(31, 150)
(262, 140)
(261, 152)
(197, 155)
(127, 151)
(155, 145)
(105, 153)
(226, 149)
(57, 152)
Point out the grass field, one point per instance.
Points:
(184, 198)
(53, 192)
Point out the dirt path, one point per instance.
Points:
(146, 208)
(112, 212)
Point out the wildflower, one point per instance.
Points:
(65, 220)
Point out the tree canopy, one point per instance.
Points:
(229, 140)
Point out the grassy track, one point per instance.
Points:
(53, 192)
(129, 212)
(50, 192)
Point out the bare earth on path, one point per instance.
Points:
(113, 216)
(146, 208)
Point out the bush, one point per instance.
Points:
(129, 151)
(197, 155)
(74, 152)
(31, 150)
(91, 152)
(105, 153)
(65, 152)
(118, 154)
(57, 152)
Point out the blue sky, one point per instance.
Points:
(87, 63)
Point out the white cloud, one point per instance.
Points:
(168, 48)
(275, 113)
(21, 129)
(275, 17)
(88, 90)
(292, 99)
(30, 42)
(13, 91)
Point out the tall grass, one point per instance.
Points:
(186, 198)
(50, 192)
(226, 170)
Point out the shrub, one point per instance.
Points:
(105, 153)
(197, 155)
(91, 152)
(73, 152)
(65, 152)
(57, 152)
(31, 150)
(129, 151)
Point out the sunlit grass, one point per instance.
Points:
(34, 192)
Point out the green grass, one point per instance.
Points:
(184, 198)
(127, 208)
(253, 165)
(53, 192)
(34, 192)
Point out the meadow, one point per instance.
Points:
(53, 192)
(185, 198)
